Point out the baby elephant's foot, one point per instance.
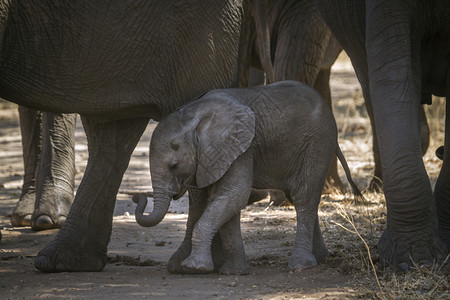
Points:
(196, 264)
(301, 261)
(234, 269)
(175, 262)
(320, 253)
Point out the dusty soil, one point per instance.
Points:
(137, 257)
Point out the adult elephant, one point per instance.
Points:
(117, 64)
(291, 41)
(48, 144)
(401, 54)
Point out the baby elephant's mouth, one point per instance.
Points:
(184, 187)
(181, 193)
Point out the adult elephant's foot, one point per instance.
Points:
(405, 250)
(21, 215)
(301, 260)
(198, 264)
(52, 210)
(70, 256)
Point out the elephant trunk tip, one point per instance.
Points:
(154, 218)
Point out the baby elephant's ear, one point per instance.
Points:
(225, 130)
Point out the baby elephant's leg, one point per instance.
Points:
(226, 198)
(320, 250)
(302, 256)
(309, 247)
(234, 260)
(197, 204)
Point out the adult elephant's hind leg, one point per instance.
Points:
(30, 128)
(442, 189)
(55, 177)
(322, 85)
(82, 242)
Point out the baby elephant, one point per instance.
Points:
(281, 136)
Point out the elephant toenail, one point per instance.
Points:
(26, 221)
(43, 222)
(17, 220)
(61, 220)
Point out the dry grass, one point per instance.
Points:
(352, 232)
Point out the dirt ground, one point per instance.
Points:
(137, 256)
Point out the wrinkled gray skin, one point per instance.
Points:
(400, 51)
(280, 136)
(48, 144)
(117, 64)
(291, 40)
(49, 165)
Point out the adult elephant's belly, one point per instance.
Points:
(90, 58)
(67, 87)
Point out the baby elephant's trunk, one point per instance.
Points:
(358, 195)
(160, 208)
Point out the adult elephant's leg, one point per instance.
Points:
(376, 184)
(301, 56)
(257, 77)
(442, 188)
(56, 171)
(346, 19)
(322, 85)
(82, 242)
(30, 127)
(424, 130)
(395, 87)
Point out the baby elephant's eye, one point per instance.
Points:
(173, 166)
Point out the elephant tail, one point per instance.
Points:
(358, 195)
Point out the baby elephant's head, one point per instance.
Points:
(195, 146)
